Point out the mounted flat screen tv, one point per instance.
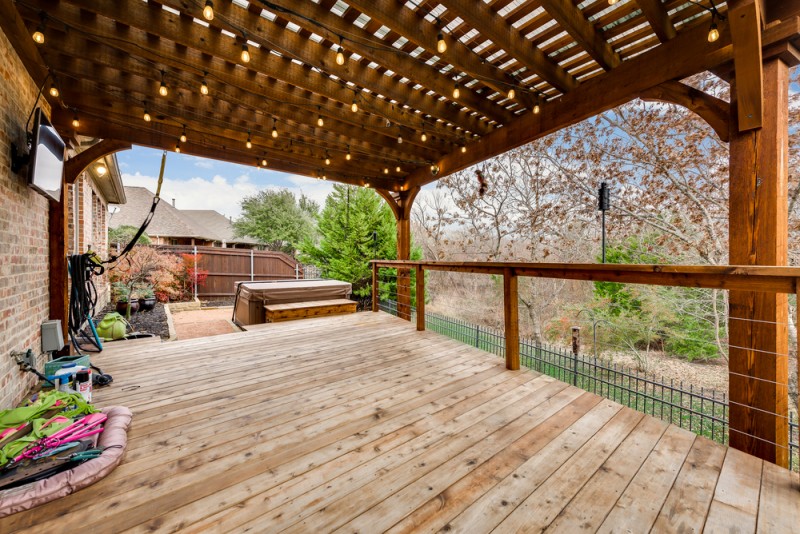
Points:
(46, 165)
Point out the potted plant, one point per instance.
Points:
(147, 298)
(125, 305)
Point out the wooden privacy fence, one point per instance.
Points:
(226, 266)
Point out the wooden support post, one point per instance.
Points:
(58, 283)
(404, 275)
(511, 317)
(758, 236)
(375, 287)
(420, 273)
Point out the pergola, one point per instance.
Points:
(395, 95)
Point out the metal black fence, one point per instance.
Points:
(703, 411)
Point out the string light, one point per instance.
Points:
(183, 134)
(245, 54)
(463, 149)
(249, 143)
(456, 92)
(441, 45)
(208, 10)
(348, 156)
(146, 115)
(511, 94)
(178, 147)
(366, 184)
(162, 89)
(320, 122)
(386, 170)
(354, 106)
(54, 90)
(340, 56)
(424, 136)
(38, 35)
(397, 168)
(327, 158)
(264, 162)
(713, 31)
(75, 122)
(274, 130)
(399, 139)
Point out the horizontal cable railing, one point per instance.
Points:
(757, 422)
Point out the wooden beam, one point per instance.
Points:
(202, 49)
(183, 30)
(725, 277)
(494, 27)
(713, 110)
(413, 26)
(745, 22)
(331, 26)
(573, 21)
(163, 136)
(17, 33)
(75, 165)
(235, 82)
(657, 16)
(687, 54)
(375, 288)
(511, 317)
(758, 362)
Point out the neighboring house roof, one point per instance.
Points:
(109, 184)
(217, 223)
(172, 222)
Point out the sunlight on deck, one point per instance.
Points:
(359, 423)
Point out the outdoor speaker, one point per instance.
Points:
(52, 336)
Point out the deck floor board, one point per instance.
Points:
(362, 424)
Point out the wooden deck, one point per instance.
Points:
(358, 423)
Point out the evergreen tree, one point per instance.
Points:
(355, 226)
(277, 219)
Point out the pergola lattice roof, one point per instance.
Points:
(109, 58)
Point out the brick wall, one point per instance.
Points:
(24, 263)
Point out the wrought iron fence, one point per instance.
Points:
(703, 411)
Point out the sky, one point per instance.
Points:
(201, 184)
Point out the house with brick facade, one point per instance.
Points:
(173, 226)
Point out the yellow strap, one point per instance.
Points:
(161, 174)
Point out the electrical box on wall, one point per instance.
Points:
(52, 336)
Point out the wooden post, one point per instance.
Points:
(420, 273)
(404, 275)
(576, 348)
(758, 236)
(511, 318)
(375, 287)
(58, 283)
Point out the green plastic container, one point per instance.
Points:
(50, 368)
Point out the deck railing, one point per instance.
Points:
(769, 435)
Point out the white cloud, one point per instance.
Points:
(315, 189)
(198, 193)
(204, 163)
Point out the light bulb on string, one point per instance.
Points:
(146, 116)
(208, 10)
(386, 170)
(327, 159)
(274, 132)
(399, 139)
(249, 143)
(340, 55)
(348, 157)
(713, 31)
(264, 162)
(354, 106)
(183, 134)
(320, 122)
(245, 54)
(463, 149)
(38, 35)
(456, 92)
(204, 85)
(511, 94)
(178, 147)
(162, 90)
(75, 122)
(424, 136)
(54, 92)
(397, 168)
(441, 45)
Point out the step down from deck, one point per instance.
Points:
(302, 310)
